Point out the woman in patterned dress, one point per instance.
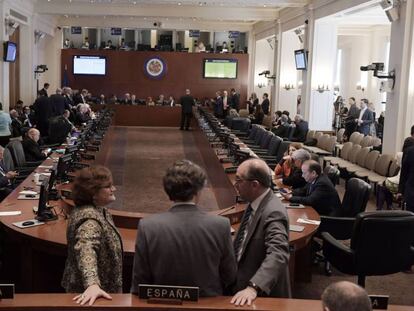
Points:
(94, 263)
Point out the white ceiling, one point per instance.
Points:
(241, 11)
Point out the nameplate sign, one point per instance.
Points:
(6, 291)
(168, 292)
(379, 302)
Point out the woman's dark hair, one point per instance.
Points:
(279, 113)
(184, 180)
(87, 183)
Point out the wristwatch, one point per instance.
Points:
(255, 287)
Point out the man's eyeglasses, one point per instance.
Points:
(239, 180)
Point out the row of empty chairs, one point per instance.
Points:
(365, 163)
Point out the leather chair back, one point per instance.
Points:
(264, 142)
(260, 132)
(291, 132)
(274, 145)
(346, 149)
(16, 149)
(355, 198)
(332, 173)
(383, 242)
(240, 124)
(284, 145)
(253, 131)
(8, 160)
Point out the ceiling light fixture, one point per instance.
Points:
(179, 3)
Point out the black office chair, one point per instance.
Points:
(381, 243)
(16, 149)
(341, 223)
(8, 165)
(332, 173)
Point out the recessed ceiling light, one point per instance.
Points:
(179, 3)
(145, 18)
(264, 5)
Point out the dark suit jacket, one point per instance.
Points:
(218, 107)
(281, 131)
(235, 101)
(187, 103)
(58, 104)
(32, 151)
(321, 195)
(406, 184)
(16, 127)
(184, 246)
(367, 119)
(301, 131)
(295, 179)
(43, 92)
(265, 255)
(266, 106)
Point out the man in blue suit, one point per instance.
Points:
(366, 117)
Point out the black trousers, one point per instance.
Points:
(185, 120)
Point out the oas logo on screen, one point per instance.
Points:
(155, 68)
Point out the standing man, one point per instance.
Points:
(353, 114)
(43, 92)
(266, 104)
(366, 117)
(406, 185)
(184, 246)
(262, 243)
(57, 101)
(187, 103)
(234, 100)
(218, 106)
(43, 111)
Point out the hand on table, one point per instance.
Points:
(247, 295)
(287, 196)
(11, 174)
(91, 294)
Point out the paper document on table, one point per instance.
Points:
(308, 221)
(45, 166)
(10, 213)
(24, 192)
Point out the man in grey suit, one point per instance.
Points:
(185, 246)
(262, 242)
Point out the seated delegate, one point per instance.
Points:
(94, 262)
(32, 151)
(295, 179)
(319, 191)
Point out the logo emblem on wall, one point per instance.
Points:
(155, 68)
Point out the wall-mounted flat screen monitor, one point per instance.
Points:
(220, 68)
(89, 65)
(301, 59)
(10, 51)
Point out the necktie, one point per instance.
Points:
(242, 230)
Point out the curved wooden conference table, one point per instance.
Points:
(36, 246)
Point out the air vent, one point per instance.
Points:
(18, 16)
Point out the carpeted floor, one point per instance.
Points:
(138, 160)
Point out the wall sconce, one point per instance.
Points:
(288, 87)
(322, 88)
(260, 85)
(39, 35)
(360, 87)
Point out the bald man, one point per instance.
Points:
(262, 242)
(31, 148)
(345, 296)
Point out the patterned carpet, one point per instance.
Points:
(138, 160)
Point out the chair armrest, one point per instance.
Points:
(339, 255)
(260, 152)
(338, 227)
(33, 164)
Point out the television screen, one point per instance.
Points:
(10, 50)
(220, 68)
(89, 65)
(300, 59)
